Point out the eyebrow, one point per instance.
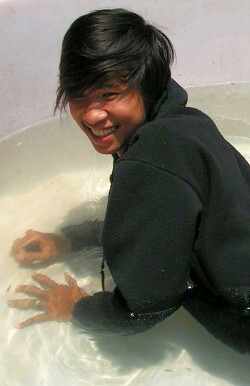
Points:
(104, 85)
(109, 85)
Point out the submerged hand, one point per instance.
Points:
(36, 246)
(58, 301)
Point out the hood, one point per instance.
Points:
(174, 95)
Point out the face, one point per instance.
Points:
(109, 115)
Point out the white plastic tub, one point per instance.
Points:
(50, 176)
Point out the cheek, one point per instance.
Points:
(138, 108)
(74, 112)
(142, 114)
(139, 113)
(133, 113)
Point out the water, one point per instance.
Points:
(177, 351)
(242, 144)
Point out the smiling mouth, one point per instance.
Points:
(103, 133)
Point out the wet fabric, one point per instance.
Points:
(227, 324)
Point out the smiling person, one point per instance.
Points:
(109, 115)
(178, 208)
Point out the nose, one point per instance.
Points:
(92, 115)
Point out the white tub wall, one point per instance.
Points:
(211, 38)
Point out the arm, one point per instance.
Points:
(36, 246)
(148, 239)
(87, 234)
(227, 324)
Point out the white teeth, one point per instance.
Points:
(102, 133)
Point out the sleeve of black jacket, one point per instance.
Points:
(86, 234)
(148, 238)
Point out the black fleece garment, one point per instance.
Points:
(178, 210)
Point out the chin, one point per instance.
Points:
(104, 151)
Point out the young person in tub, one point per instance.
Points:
(177, 220)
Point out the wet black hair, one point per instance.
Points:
(114, 44)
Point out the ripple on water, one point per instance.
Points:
(46, 354)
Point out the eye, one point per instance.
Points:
(77, 99)
(109, 94)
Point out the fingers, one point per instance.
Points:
(31, 231)
(28, 248)
(44, 280)
(58, 300)
(31, 290)
(71, 282)
(27, 251)
(25, 303)
(28, 257)
(30, 236)
(34, 319)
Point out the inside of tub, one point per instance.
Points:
(51, 177)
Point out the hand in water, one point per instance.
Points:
(36, 246)
(57, 302)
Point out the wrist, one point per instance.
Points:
(67, 245)
(62, 244)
